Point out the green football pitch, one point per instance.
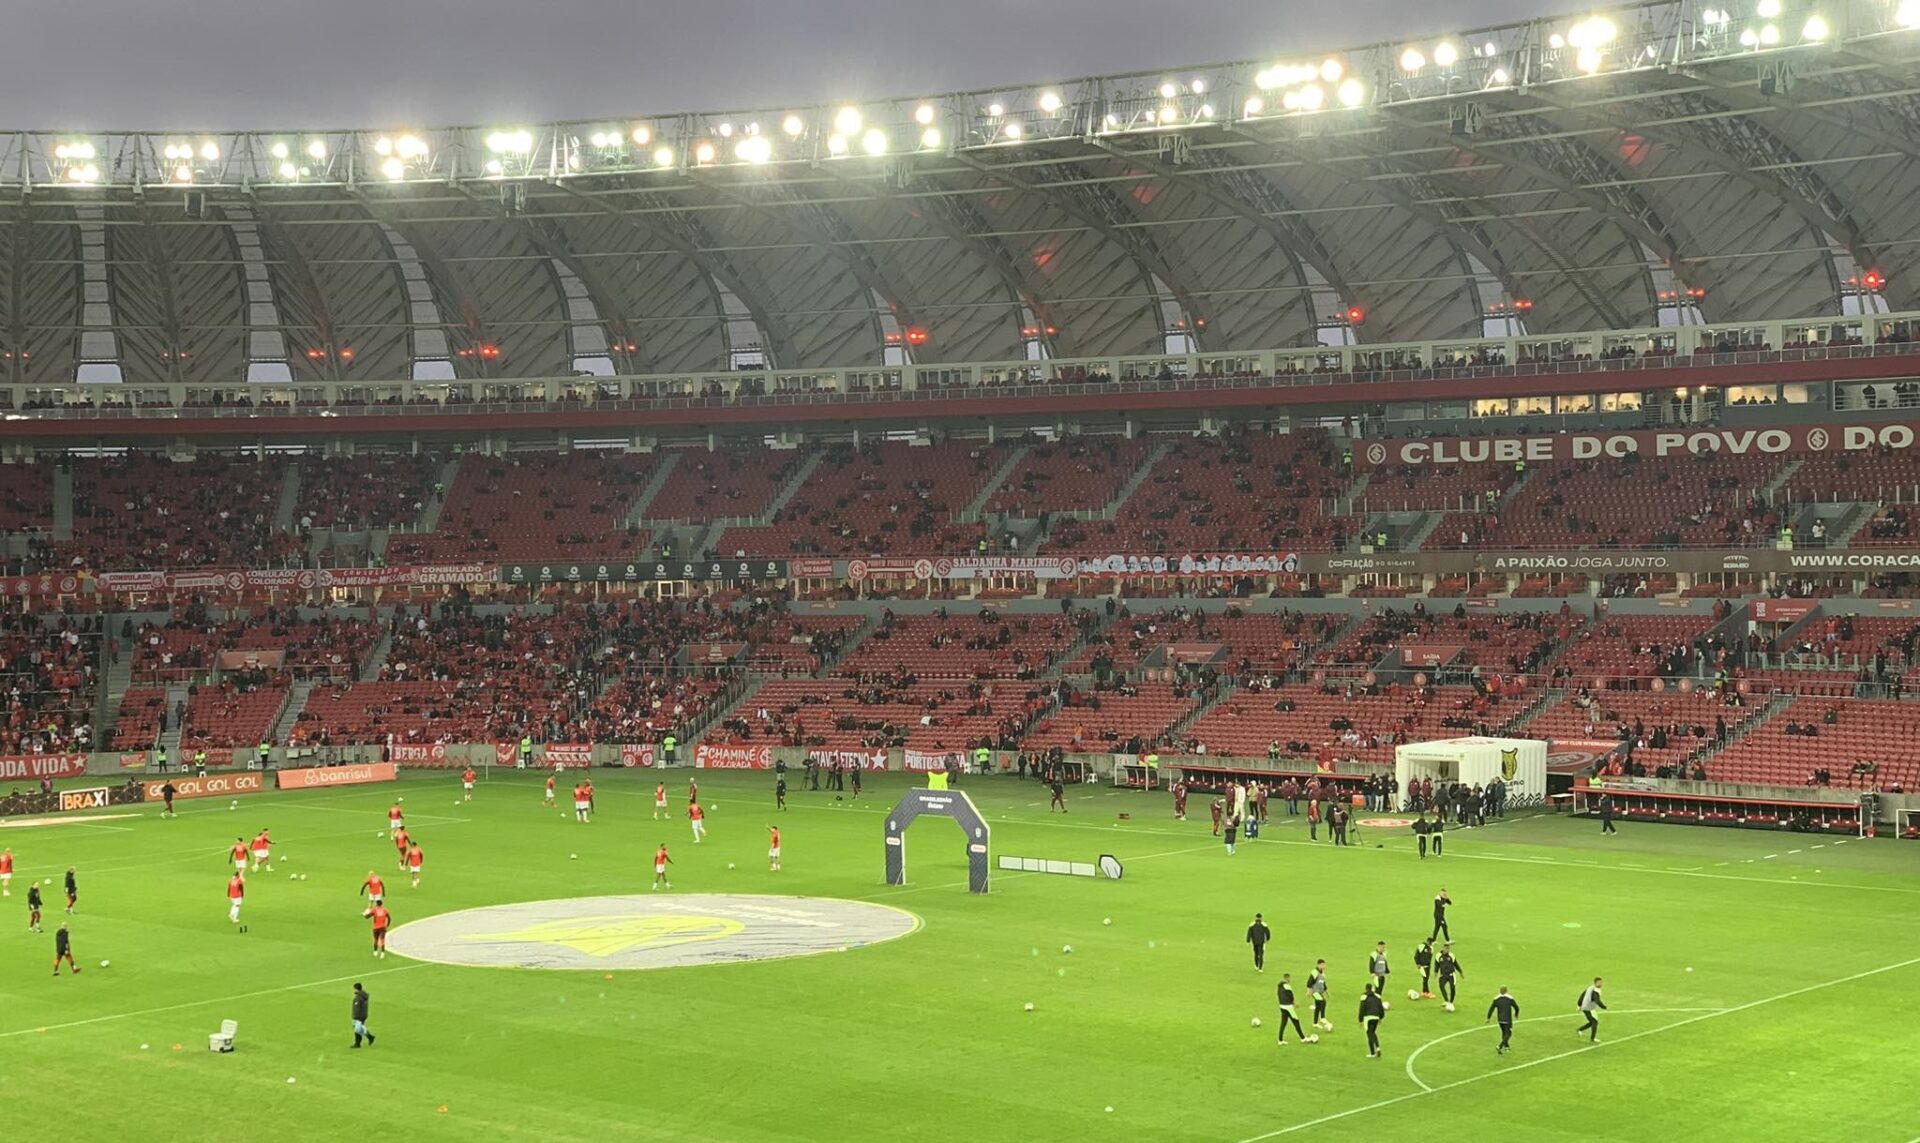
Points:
(1761, 986)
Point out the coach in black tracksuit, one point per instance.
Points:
(1440, 903)
(1284, 991)
(1258, 935)
(1506, 1009)
(1423, 960)
(1372, 1010)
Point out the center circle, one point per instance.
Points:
(654, 931)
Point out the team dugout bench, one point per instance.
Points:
(1670, 808)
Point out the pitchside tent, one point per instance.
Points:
(1519, 762)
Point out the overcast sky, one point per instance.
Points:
(261, 64)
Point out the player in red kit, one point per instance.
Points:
(693, 790)
(581, 803)
(1217, 808)
(263, 852)
(396, 821)
(239, 855)
(699, 818)
(660, 801)
(381, 919)
(400, 843)
(466, 785)
(374, 888)
(413, 863)
(6, 873)
(548, 802)
(236, 896)
(773, 849)
(1180, 801)
(660, 863)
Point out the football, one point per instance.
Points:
(1029, 1005)
(1066, 948)
(729, 865)
(1449, 1006)
(366, 912)
(1413, 994)
(105, 963)
(1386, 1005)
(1256, 1021)
(1314, 1039)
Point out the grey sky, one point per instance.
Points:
(186, 65)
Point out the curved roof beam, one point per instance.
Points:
(553, 244)
(162, 265)
(1097, 209)
(303, 282)
(687, 237)
(443, 277)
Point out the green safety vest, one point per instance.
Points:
(266, 748)
(200, 758)
(160, 753)
(526, 747)
(670, 742)
(1153, 761)
(982, 754)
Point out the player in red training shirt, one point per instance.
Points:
(660, 801)
(6, 873)
(413, 863)
(381, 919)
(236, 897)
(466, 785)
(396, 821)
(773, 849)
(660, 863)
(263, 852)
(400, 842)
(239, 855)
(548, 801)
(699, 818)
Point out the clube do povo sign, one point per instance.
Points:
(1892, 436)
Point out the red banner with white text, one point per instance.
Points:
(717, 756)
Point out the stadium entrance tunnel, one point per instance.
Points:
(939, 803)
(645, 932)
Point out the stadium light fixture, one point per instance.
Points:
(663, 156)
(209, 151)
(279, 150)
(1013, 130)
(1352, 93)
(316, 149)
(87, 173)
(1111, 122)
(1489, 49)
(1412, 60)
(924, 115)
(1050, 102)
(78, 151)
(1815, 29)
(1331, 70)
(1312, 97)
(410, 147)
(289, 171)
(1445, 54)
(1593, 32)
(725, 130)
(1253, 106)
(836, 144)
(641, 135)
(1169, 90)
(1556, 41)
(183, 174)
(703, 152)
(1749, 38)
(1169, 114)
(394, 169)
(874, 142)
(520, 142)
(996, 110)
(930, 139)
(1767, 9)
(1206, 111)
(1769, 35)
(1264, 79)
(1499, 78)
(1198, 87)
(754, 149)
(597, 139)
(847, 122)
(383, 146)
(793, 126)
(1907, 15)
(1587, 60)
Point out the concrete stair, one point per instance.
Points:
(63, 503)
(113, 688)
(176, 701)
(284, 517)
(290, 710)
(430, 512)
(790, 489)
(369, 669)
(663, 468)
(976, 507)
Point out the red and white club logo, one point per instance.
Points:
(235, 581)
(1376, 453)
(856, 569)
(69, 584)
(304, 579)
(941, 568)
(1817, 439)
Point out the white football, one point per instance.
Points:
(1029, 1005)
(1256, 1021)
(293, 877)
(399, 799)
(1449, 1007)
(303, 877)
(1385, 1005)
(1106, 920)
(1314, 1039)
(573, 857)
(729, 865)
(1413, 994)
(1066, 948)
(105, 963)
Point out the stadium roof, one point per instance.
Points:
(1664, 162)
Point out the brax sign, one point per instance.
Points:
(1892, 435)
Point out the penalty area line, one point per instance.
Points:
(214, 1000)
(1413, 1075)
(1713, 1014)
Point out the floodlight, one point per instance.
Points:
(792, 126)
(836, 144)
(1499, 78)
(1749, 38)
(1411, 60)
(1907, 15)
(1587, 60)
(703, 152)
(1556, 41)
(279, 150)
(1446, 55)
(171, 152)
(754, 149)
(209, 151)
(383, 146)
(663, 157)
(316, 149)
(930, 138)
(1352, 93)
(495, 167)
(1767, 9)
(1168, 91)
(1312, 97)
(81, 150)
(1206, 111)
(726, 130)
(1489, 49)
(1014, 130)
(1331, 70)
(598, 139)
(1593, 32)
(1050, 102)
(996, 110)
(521, 142)
(410, 147)
(85, 174)
(1198, 87)
(1770, 35)
(641, 135)
(393, 169)
(924, 114)
(289, 171)
(183, 173)
(1168, 114)
(847, 121)
(1815, 29)
(1253, 106)
(1264, 79)
(874, 142)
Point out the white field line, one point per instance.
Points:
(211, 1000)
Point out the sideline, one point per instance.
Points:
(212, 1000)
(1711, 1015)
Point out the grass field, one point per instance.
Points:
(1762, 987)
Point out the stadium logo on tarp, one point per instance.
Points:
(1385, 823)
(1509, 763)
(663, 930)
